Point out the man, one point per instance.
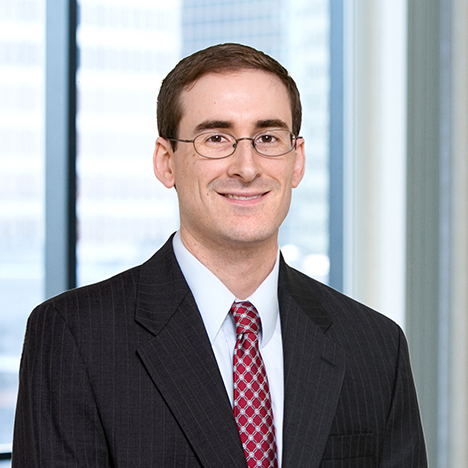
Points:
(215, 353)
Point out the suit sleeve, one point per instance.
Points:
(404, 445)
(57, 422)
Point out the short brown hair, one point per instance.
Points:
(217, 59)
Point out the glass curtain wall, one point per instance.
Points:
(22, 44)
(126, 48)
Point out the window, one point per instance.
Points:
(21, 187)
(126, 49)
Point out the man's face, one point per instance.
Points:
(240, 200)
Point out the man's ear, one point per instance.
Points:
(299, 163)
(163, 162)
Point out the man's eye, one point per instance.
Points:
(217, 138)
(267, 138)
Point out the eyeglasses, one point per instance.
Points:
(216, 145)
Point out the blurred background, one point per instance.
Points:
(382, 213)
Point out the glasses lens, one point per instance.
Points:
(214, 144)
(274, 142)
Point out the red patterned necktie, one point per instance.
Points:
(252, 402)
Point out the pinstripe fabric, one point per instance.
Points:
(349, 393)
(121, 374)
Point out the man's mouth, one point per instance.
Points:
(241, 197)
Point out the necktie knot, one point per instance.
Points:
(246, 317)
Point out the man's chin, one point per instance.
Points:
(249, 237)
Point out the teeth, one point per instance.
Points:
(240, 197)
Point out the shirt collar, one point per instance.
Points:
(214, 299)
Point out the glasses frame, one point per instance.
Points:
(235, 145)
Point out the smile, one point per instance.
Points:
(241, 197)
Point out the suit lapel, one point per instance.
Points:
(181, 363)
(313, 372)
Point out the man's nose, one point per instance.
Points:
(245, 160)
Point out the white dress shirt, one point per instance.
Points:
(214, 301)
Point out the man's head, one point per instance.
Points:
(220, 58)
(238, 196)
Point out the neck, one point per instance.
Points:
(241, 268)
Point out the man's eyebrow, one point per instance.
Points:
(272, 123)
(212, 124)
(226, 124)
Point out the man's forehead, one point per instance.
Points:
(213, 86)
(230, 75)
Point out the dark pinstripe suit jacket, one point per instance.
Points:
(122, 374)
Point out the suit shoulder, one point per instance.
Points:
(356, 328)
(123, 280)
(341, 308)
(111, 299)
(102, 297)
